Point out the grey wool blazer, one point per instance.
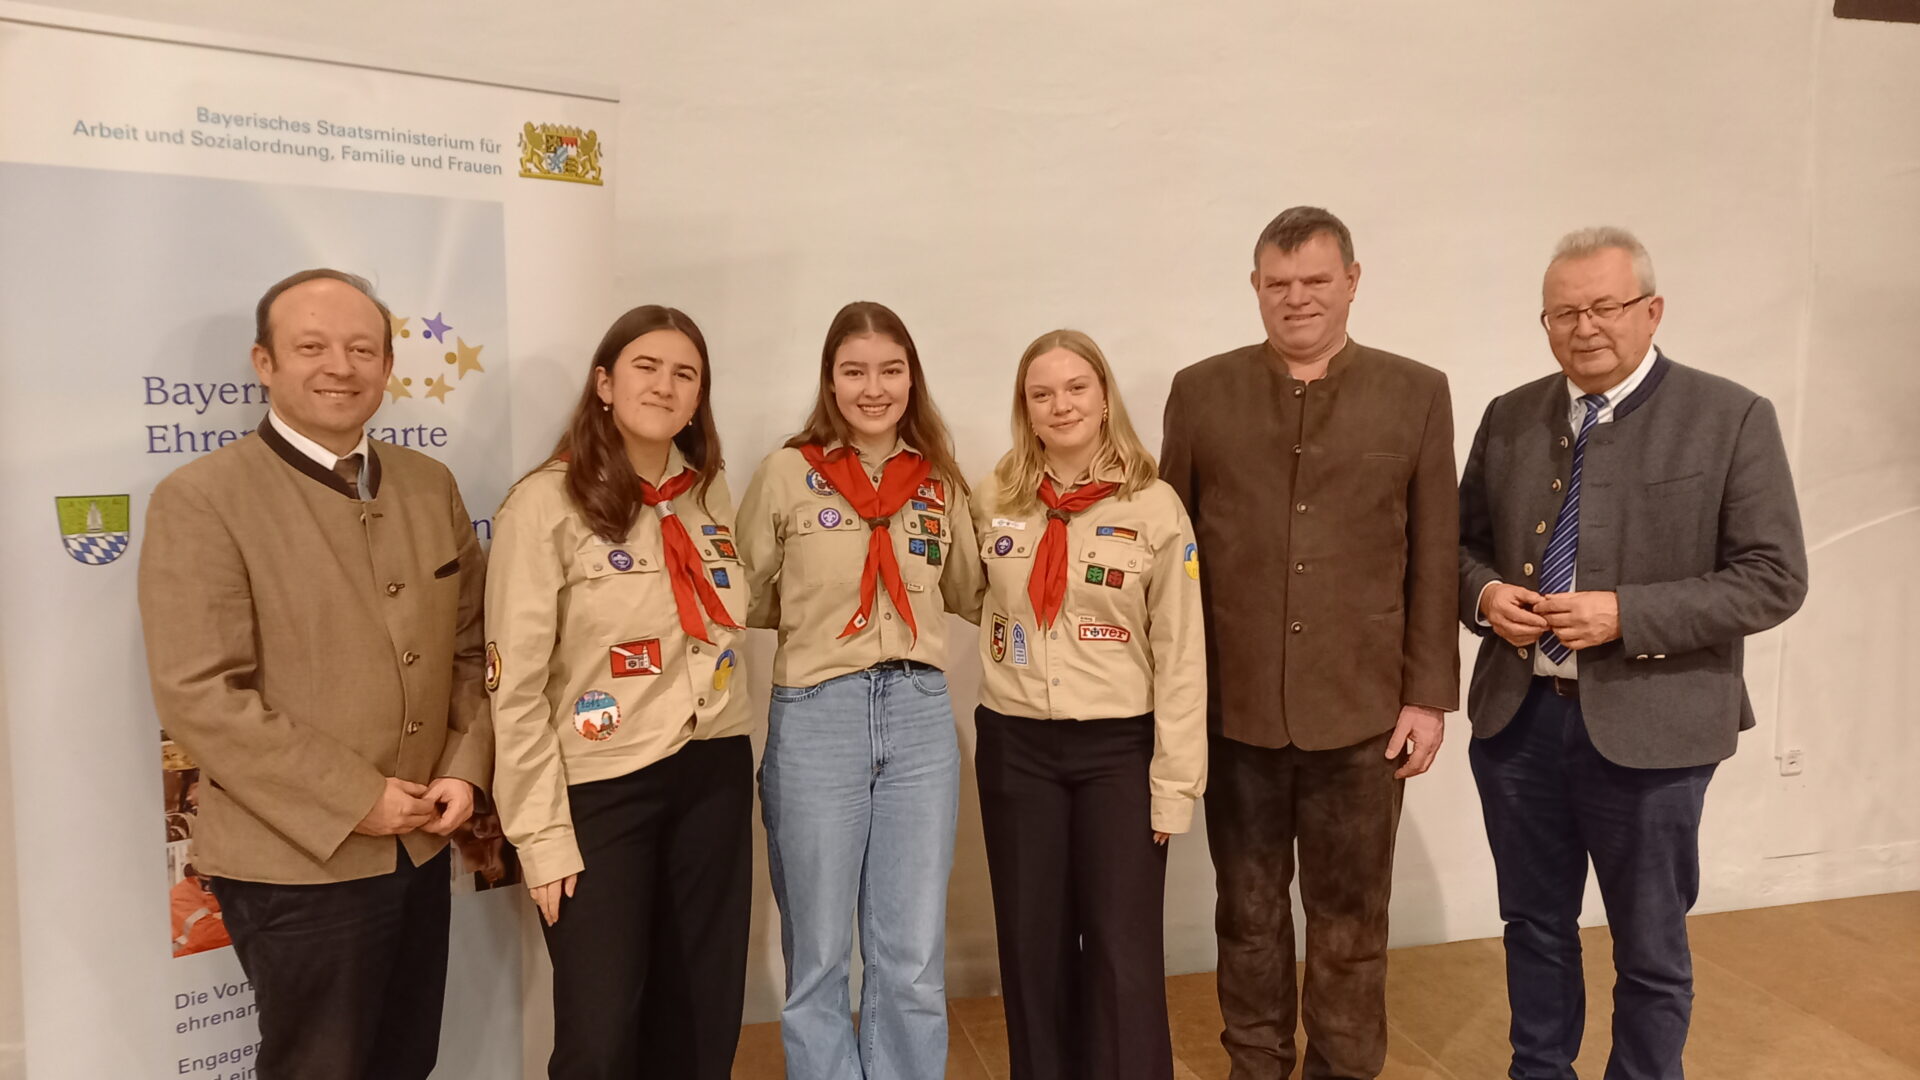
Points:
(1687, 513)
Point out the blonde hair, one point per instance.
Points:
(1017, 476)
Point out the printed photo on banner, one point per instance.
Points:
(194, 914)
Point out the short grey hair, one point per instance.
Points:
(1299, 224)
(1581, 243)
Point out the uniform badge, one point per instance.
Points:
(1009, 523)
(595, 715)
(1116, 578)
(1192, 562)
(630, 658)
(817, 483)
(829, 518)
(997, 647)
(1117, 532)
(714, 530)
(493, 667)
(917, 546)
(918, 505)
(1019, 645)
(620, 560)
(726, 550)
(723, 670)
(933, 553)
(95, 528)
(1003, 545)
(929, 525)
(1093, 631)
(934, 492)
(1096, 575)
(720, 579)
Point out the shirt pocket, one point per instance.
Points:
(620, 593)
(826, 545)
(1115, 559)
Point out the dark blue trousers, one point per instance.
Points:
(1552, 802)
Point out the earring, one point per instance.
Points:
(604, 407)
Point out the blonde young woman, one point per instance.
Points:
(625, 778)
(1092, 723)
(858, 543)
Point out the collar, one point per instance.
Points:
(324, 457)
(1621, 390)
(1335, 365)
(280, 439)
(1098, 471)
(899, 447)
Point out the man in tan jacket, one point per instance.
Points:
(1319, 474)
(311, 604)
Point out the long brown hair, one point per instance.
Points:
(920, 426)
(600, 479)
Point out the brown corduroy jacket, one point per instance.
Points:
(304, 645)
(1327, 517)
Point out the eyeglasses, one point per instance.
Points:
(1603, 312)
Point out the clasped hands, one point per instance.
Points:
(1580, 620)
(403, 806)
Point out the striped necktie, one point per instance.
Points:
(348, 469)
(1556, 566)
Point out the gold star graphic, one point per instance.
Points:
(400, 326)
(467, 358)
(438, 389)
(397, 386)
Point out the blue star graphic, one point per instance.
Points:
(436, 329)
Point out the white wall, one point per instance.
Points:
(995, 170)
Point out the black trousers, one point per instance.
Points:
(350, 977)
(1340, 809)
(650, 952)
(1551, 803)
(1078, 888)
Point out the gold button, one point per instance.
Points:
(1563, 442)
(1523, 652)
(1540, 528)
(394, 587)
(1556, 485)
(413, 727)
(1642, 656)
(410, 658)
(1299, 390)
(1302, 508)
(1299, 568)
(1296, 448)
(1527, 569)
(1297, 627)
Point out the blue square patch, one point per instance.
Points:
(720, 579)
(916, 547)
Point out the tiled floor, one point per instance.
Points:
(1808, 992)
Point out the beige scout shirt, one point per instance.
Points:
(805, 547)
(1128, 639)
(591, 673)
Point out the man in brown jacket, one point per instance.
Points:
(1319, 474)
(311, 605)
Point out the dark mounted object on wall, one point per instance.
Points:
(1878, 10)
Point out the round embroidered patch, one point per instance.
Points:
(829, 518)
(817, 483)
(1003, 545)
(595, 715)
(723, 670)
(620, 560)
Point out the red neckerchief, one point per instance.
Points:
(1047, 582)
(898, 483)
(688, 575)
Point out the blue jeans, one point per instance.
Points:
(1552, 802)
(860, 789)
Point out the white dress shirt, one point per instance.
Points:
(1576, 415)
(324, 457)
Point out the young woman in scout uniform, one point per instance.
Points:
(857, 543)
(1092, 723)
(624, 775)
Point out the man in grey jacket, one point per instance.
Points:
(1625, 524)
